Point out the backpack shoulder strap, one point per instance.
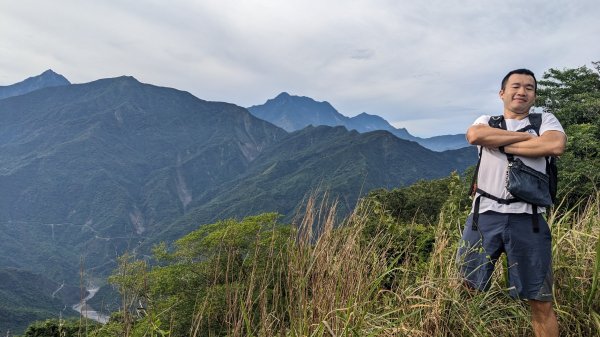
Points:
(473, 187)
(497, 122)
(535, 119)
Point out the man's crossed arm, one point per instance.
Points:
(550, 143)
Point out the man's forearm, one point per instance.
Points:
(551, 143)
(487, 136)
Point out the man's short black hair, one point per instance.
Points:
(521, 72)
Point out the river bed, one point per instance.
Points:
(88, 312)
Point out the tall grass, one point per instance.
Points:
(350, 277)
(327, 280)
(321, 282)
(576, 256)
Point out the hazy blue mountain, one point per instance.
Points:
(365, 122)
(296, 112)
(445, 142)
(90, 170)
(94, 166)
(45, 80)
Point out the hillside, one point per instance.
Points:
(89, 171)
(345, 164)
(108, 160)
(106, 165)
(20, 290)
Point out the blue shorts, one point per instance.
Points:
(529, 254)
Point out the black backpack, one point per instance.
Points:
(535, 120)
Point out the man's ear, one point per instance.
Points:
(501, 93)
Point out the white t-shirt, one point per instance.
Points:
(493, 167)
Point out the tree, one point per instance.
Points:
(131, 279)
(193, 288)
(59, 328)
(573, 96)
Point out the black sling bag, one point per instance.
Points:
(523, 182)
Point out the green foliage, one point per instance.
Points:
(131, 280)
(573, 95)
(60, 328)
(409, 217)
(335, 285)
(197, 276)
(420, 202)
(579, 175)
(374, 275)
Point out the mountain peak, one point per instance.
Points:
(364, 115)
(126, 78)
(49, 72)
(118, 82)
(283, 95)
(45, 80)
(286, 97)
(50, 77)
(293, 113)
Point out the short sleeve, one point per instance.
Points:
(484, 119)
(550, 123)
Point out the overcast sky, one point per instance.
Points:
(429, 66)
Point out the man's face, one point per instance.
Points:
(519, 93)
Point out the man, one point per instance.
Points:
(507, 228)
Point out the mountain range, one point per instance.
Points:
(293, 113)
(89, 171)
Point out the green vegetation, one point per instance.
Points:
(573, 95)
(256, 277)
(61, 328)
(385, 270)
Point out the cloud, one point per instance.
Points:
(363, 54)
(410, 62)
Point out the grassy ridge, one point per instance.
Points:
(322, 278)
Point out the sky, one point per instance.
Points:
(430, 66)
